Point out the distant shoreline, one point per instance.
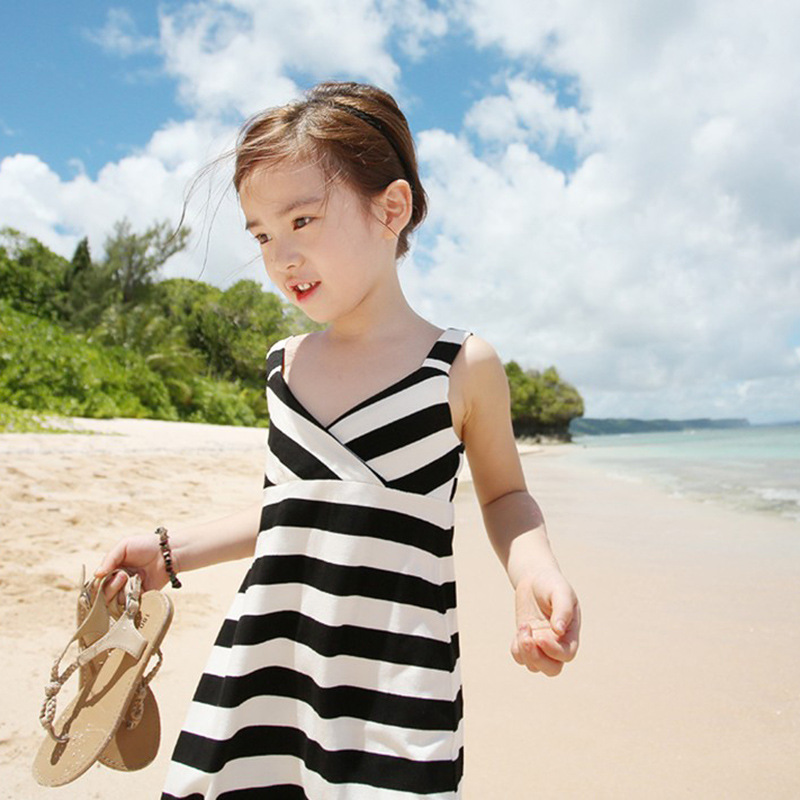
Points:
(589, 426)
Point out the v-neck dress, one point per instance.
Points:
(336, 671)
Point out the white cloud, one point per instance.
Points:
(237, 56)
(666, 270)
(6, 130)
(120, 36)
(228, 58)
(415, 23)
(529, 111)
(145, 187)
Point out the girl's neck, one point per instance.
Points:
(383, 314)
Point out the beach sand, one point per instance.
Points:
(686, 684)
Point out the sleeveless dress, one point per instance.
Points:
(336, 671)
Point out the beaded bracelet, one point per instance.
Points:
(166, 551)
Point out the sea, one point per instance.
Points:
(755, 468)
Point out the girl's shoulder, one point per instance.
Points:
(480, 400)
(476, 359)
(280, 354)
(288, 344)
(477, 382)
(277, 347)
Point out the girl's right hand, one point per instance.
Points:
(135, 555)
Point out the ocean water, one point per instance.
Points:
(755, 468)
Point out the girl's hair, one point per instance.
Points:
(355, 132)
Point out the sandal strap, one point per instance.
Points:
(136, 708)
(48, 712)
(122, 634)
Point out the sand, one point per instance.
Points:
(686, 683)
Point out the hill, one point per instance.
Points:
(599, 427)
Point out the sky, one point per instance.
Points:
(614, 187)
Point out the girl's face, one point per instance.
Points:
(322, 248)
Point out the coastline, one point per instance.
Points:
(686, 682)
(752, 468)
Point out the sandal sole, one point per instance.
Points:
(130, 750)
(93, 717)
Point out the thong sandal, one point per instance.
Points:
(138, 737)
(116, 654)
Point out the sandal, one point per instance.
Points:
(136, 742)
(113, 653)
(135, 747)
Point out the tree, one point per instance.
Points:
(124, 277)
(80, 264)
(86, 288)
(237, 328)
(132, 260)
(560, 402)
(541, 403)
(31, 275)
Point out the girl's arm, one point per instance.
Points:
(547, 610)
(193, 546)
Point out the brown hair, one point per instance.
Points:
(355, 132)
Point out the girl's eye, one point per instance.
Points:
(265, 238)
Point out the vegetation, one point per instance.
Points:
(597, 427)
(542, 404)
(108, 338)
(19, 420)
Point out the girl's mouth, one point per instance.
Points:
(304, 289)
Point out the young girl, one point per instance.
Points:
(336, 671)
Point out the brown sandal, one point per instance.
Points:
(114, 651)
(136, 742)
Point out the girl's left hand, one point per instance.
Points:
(548, 623)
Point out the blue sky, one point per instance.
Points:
(613, 188)
(76, 102)
(71, 100)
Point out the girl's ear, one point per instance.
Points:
(395, 206)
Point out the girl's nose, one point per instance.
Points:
(283, 258)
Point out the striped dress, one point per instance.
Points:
(336, 671)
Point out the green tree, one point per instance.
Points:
(133, 260)
(238, 329)
(31, 275)
(87, 288)
(46, 368)
(81, 263)
(166, 351)
(180, 299)
(176, 348)
(560, 402)
(125, 275)
(541, 402)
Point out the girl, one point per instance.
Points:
(336, 671)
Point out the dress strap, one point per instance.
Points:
(275, 356)
(445, 349)
(441, 355)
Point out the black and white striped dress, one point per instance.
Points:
(336, 672)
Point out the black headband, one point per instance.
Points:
(375, 123)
